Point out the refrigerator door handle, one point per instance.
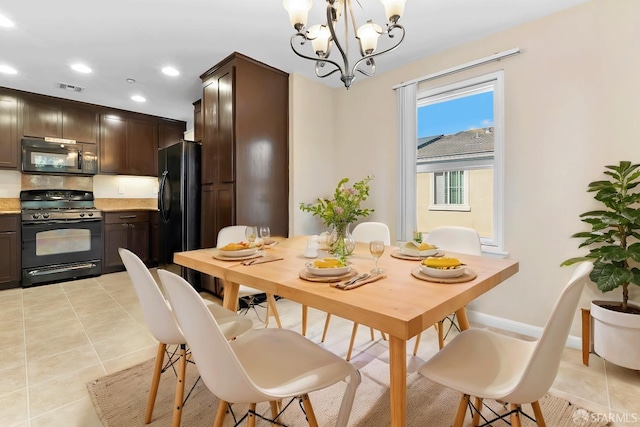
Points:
(163, 181)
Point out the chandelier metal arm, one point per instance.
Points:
(314, 58)
(369, 58)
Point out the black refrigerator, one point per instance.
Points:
(179, 204)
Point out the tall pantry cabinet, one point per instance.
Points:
(245, 169)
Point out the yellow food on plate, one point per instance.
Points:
(235, 246)
(328, 263)
(426, 247)
(442, 263)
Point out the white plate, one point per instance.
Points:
(439, 272)
(237, 254)
(417, 253)
(337, 271)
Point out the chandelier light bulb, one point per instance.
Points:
(320, 37)
(368, 35)
(298, 12)
(394, 9)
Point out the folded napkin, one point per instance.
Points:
(261, 260)
(345, 287)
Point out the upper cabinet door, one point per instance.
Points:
(113, 144)
(170, 133)
(209, 112)
(41, 119)
(80, 124)
(8, 132)
(226, 123)
(142, 142)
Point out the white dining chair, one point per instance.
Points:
(363, 232)
(489, 365)
(261, 365)
(462, 240)
(236, 233)
(161, 322)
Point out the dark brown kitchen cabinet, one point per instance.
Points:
(197, 120)
(8, 132)
(125, 229)
(48, 117)
(10, 247)
(169, 133)
(245, 170)
(128, 146)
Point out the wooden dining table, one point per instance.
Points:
(400, 305)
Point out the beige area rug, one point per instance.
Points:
(120, 400)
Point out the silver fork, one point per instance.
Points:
(356, 279)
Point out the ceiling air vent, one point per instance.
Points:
(69, 87)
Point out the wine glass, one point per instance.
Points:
(376, 247)
(251, 232)
(265, 234)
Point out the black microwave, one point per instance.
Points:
(59, 156)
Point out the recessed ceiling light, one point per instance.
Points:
(131, 80)
(7, 70)
(138, 98)
(5, 22)
(170, 71)
(81, 68)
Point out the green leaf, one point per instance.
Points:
(608, 277)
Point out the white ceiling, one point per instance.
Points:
(122, 39)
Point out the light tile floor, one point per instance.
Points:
(59, 337)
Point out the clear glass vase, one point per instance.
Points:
(341, 241)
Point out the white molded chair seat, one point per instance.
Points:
(163, 326)
(488, 365)
(236, 233)
(262, 365)
(462, 240)
(363, 232)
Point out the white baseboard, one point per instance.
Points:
(517, 327)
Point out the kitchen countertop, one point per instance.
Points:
(9, 206)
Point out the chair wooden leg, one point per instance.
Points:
(440, 329)
(305, 311)
(222, 413)
(384, 336)
(586, 335)
(515, 416)
(311, 416)
(271, 305)
(177, 403)
(251, 419)
(477, 402)
(417, 344)
(462, 411)
(274, 411)
(537, 412)
(153, 392)
(326, 326)
(371, 332)
(353, 340)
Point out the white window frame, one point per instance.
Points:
(407, 117)
(457, 207)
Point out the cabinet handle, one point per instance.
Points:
(127, 216)
(124, 224)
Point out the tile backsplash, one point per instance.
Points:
(45, 182)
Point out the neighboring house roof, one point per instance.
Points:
(465, 144)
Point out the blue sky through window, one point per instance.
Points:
(449, 117)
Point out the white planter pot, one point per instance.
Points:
(616, 336)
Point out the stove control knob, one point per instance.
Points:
(81, 214)
(35, 216)
(90, 214)
(45, 215)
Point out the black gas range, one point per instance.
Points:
(61, 236)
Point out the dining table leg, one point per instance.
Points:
(398, 380)
(230, 299)
(463, 322)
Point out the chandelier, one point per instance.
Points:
(323, 37)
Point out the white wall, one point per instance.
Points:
(125, 187)
(10, 184)
(571, 107)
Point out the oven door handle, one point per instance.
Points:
(56, 221)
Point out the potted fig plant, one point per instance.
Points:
(614, 248)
